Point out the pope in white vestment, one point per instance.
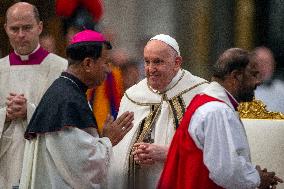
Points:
(165, 111)
(32, 79)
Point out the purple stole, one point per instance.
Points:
(34, 59)
(233, 101)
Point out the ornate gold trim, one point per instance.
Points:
(149, 121)
(178, 108)
(164, 95)
(257, 110)
(140, 103)
(189, 89)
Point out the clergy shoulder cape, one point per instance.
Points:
(32, 78)
(159, 113)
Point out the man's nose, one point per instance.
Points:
(21, 33)
(152, 66)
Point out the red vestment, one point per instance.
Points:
(184, 167)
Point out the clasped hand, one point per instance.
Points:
(148, 154)
(16, 107)
(268, 180)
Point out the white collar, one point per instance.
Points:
(218, 91)
(26, 57)
(174, 80)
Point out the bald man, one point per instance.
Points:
(25, 74)
(270, 92)
(158, 103)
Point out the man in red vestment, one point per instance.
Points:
(210, 148)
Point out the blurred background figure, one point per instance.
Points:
(266, 61)
(128, 66)
(130, 73)
(80, 19)
(271, 92)
(79, 14)
(47, 41)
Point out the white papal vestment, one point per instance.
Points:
(162, 112)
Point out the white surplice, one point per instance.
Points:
(218, 131)
(139, 99)
(66, 159)
(32, 81)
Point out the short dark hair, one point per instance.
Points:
(232, 59)
(79, 51)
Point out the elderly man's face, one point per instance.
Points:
(23, 29)
(161, 64)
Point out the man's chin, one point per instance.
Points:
(22, 51)
(153, 85)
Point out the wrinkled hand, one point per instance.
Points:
(148, 154)
(268, 180)
(16, 107)
(116, 130)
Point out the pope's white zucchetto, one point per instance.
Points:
(168, 40)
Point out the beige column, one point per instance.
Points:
(244, 24)
(120, 19)
(201, 37)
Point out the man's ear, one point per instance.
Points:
(87, 63)
(237, 74)
(40, 24)
(5, 27)
(178, 62)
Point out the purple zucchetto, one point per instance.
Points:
(87, 36)
(90, 36)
